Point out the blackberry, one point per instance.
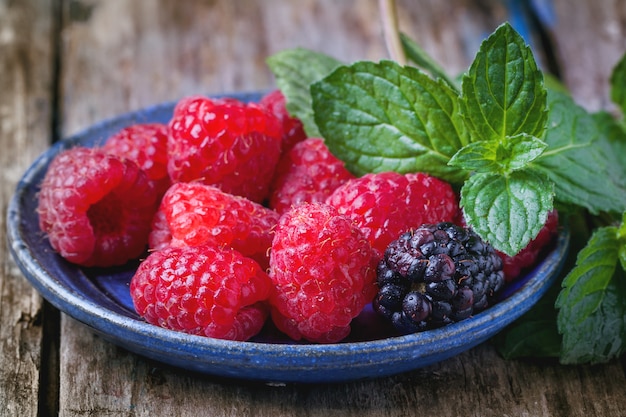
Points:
(435, 275)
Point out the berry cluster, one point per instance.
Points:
(96, 208)
(239, 219)
(435, 275)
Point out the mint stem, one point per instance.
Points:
(389, 19)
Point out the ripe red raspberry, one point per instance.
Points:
(386, 204)
(96, 208)
(527, 257)
(323, 271)
(225, 143)
(146, 145)
(292, 128)
(160, 236)
(307, 173)
(192, 214)
(202, 290)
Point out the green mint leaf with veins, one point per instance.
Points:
(386, 117)
(424, 61)
(503, 91)
(592, 303)
(295, 70)
(614, 140)
(507, 210)
(581, 160)
(618, 84)
(499, 156)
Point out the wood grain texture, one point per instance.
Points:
(475, 383)
(160, 51)
(25, 97)
(589, 38)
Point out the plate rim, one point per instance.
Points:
(296, 358)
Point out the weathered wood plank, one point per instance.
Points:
(590, 38)
(25, 98)
(476, 383)
(160, 51)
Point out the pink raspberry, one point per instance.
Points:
(225, 143)
(146, 145)
(292, 128)
(527, 257)
(383, 205)
(307, 173)
(202, 290)
(96, 208)
(323, 271)
(192, 214)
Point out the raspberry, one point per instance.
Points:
(192, 214)
(527, 257)
(225, 143)
(160, 236)
(96, 208)
(386, 204)
(307, 173)
(435, 275)
(146, 145)
(323, 271)
(202, 290)
(292, 128)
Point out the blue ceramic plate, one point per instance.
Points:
(100, 299)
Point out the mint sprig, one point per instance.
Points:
(514, 147)
(385, 117)
(503, 103)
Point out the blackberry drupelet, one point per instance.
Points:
(435, 275)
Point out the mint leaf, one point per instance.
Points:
(385, 117)
(618, 84)
(501, 156)
(621, 237)
(424, 61)
(507, 210)
(536, 337)
(585, 167)
(295, 70)
(592, 303)
(503, 92)
(615, 140)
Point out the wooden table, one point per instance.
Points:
(65, 64)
